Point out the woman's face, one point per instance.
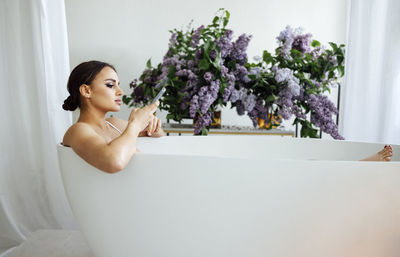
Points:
(105, 92)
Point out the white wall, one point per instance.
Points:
(127, 33)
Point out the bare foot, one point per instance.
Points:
(383, 156)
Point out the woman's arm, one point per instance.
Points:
(157, 129)
(109, 157)
(115, 155)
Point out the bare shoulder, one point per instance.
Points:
(119, 123)
(76, 132)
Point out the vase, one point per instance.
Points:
(274, 121)
(216, 120)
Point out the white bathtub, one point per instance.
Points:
(237, 196)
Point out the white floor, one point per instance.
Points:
(52, 243)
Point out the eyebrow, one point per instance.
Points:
(113, 80)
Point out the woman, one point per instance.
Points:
(107, 144)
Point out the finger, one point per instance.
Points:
(150, 129)
(155, 122)
(152, 107)
(158, 125)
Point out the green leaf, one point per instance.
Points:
(252, 76)
(215, 20)
(271, 98)
(228, 15)
(334, 46)
(307, 130)
(216, 62)
(204, 131)
(170, 116)
(315, 43)
(204, 64)
(148, 64)
(341, 71)
(296, 53)
(225, 22)
(267, 57)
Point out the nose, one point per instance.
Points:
(119, 91)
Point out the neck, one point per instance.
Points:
(92, 116)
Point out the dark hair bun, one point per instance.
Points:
(69, 104)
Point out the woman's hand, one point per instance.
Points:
(143, 117)
(154, 126)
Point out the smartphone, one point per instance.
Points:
(159, 95)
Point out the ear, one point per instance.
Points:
(85, 91)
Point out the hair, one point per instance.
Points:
(84, 73)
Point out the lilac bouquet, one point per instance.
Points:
(205, 68)
(293, 82)
(200, 71)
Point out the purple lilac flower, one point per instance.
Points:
(172, 40)
(292, 82)
(317, 52)
(227, 91)
(240, 72)
(298, 112)
(230, 77)
(249, 102)
(194, 106)
(246, 79)
(196, 36)
(138, 92)
(198, 54)
(283, 75)
(285, 40)
(224, 43)
(234, 95)
(186, 73)
(322, 110)
(285, 35)
(224, 70)
(206, 97)
(240, 109)
(316, 83)
(206, 102)
(208, 76)
(213, 55)
(255, 71)
(202, 121)
(244, 101)
(174, 60)
(238, 52)
(238, 94)
(190, 64)
(293, 86)
(259, 111)
(214, 88)
(302, 43)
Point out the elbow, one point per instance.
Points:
(114, 169)
(116, 162)
(115, 166)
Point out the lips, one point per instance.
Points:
(118, 101)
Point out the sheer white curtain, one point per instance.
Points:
(34, 68)
(371, 105)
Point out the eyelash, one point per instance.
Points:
(109, 85)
